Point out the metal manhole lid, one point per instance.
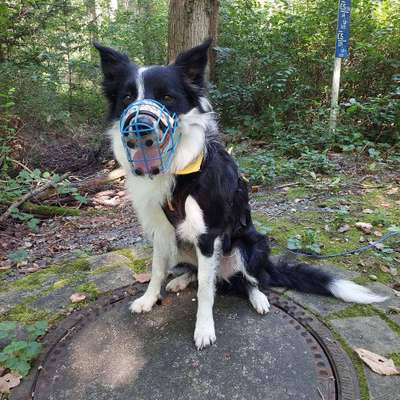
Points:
(106, 353)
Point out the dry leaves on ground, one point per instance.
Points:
(77, 297)
(378, 363)
(9, 381)
(364, 226)
(143, 278)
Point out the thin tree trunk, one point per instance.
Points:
(92, 25)
(190, 22)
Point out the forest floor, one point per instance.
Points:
(311, 213)
(102, 249)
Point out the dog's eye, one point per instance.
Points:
(127, 99)
(167, 98)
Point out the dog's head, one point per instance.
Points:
(180, 86)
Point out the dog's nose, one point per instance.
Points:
(139, 171)
(155, 171)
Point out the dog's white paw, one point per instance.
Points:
(179, 283)
(204, 335)
(259, 301)
(143, 304)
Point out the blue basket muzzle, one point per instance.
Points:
(148, 135)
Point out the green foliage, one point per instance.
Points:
(17, 355)
(275, 67)
(13, 188)
(308, 242)
(265, 166)
(18, 256)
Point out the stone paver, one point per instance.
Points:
(382, 387)
(371, 333)
(107, 259)
(113, 279)
(392, 301)
(54, 301)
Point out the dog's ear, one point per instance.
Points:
(193, 63)
(113, 63)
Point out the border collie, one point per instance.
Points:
(201, 218)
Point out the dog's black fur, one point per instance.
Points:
(218, 187)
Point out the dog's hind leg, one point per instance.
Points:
(181, 282)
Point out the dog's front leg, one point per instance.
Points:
(207, 255)
(161, 257)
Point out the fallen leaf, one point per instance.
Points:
(378, 363)
(143, 277)
(344, 228)
(378, 233)
(393, 190)
(255, 189)
(166, 301)
(364, 226)
(367, 211)
(77, 297)
(8, 382)
(384, 268)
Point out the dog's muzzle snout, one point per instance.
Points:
(148, 134)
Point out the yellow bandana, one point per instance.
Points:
(192, 167)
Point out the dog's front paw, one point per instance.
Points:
(259, 301)
(204, 335)
(143, 304)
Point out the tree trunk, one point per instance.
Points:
(190, 22)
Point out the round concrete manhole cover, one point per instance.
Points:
(106, 353)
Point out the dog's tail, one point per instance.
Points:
(309, 279)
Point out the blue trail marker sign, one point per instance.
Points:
(342, 51)
(343, 29)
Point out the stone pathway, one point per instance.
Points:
(46, 295)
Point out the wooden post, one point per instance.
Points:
(335, 94)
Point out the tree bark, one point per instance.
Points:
(190, 22)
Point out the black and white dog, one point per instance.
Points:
(202, 218)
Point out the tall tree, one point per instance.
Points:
(190, 22)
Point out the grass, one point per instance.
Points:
(136, 264)
(356, 310)
(396, 358)
(343, 206)
(23, 313)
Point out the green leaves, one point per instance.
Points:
(307, 242)
(7, 329)
(18, 354)
(18, 256)
(37, 329)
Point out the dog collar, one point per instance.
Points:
(192, 167)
